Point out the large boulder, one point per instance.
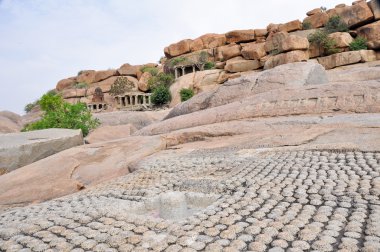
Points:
(178, 48)
(65, 83)
(355, 15)
(313, 11)
(241, 65)
(9, 122)
(371, 32)
(110, 133)
(196, 45)
(375, 7)
(294, 25)
(106, 84)
(347, 58)
(228, 51)
(357, 72)
(74, 93)
(127, 69)
(283, 42)
(143, 81)
(286, 76)
(285, 58)
(86, 76)
(105, 74)
(317, 20)
(20, 149)
(253, 51)
(198, 82)
(342, 39)
(212, 40)
(238, 36)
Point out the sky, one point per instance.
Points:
(44, 41)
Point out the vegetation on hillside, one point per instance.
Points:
(186, 94)
(60, 114)
(359, 43)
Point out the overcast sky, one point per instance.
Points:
(44, 41)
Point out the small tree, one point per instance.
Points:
(336, 24)
(359, 43)
(120, 86)
(186, 94)
(161, 95)
(160, 79)
(326, 44)
(60, 114)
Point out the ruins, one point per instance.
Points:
(133, 101)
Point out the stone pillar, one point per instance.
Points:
(176, 72)
(193, 68)
(183, 71)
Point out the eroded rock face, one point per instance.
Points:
(371, 32)
(317, 19)
(9, 122)
(241, 65)
(342, 39)
(143, 81)
(347, 58)
(127, 69)
(355, 15)
(254, 51)
(283, 42)
(110, 133)
(294, 25)
(238, 36)
(86, 76)
(178, 48)
(20, 149)
(375, 8)
(228, 51)
(284, 76)
(285, 58)
(65, 83)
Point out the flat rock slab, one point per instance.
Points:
(20, 149)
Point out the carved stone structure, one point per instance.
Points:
(133, 100)
(182, 70)
(97, 106)
(98, 95)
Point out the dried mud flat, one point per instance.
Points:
(226, 199)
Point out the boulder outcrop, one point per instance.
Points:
(20, 149)
(10, 122)
(110, 133)
(347, 58)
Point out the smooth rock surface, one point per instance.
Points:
(20, 149)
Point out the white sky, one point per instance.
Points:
(44, 41)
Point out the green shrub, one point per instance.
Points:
(326, 44)
(161, 95)
(152, 70)
(120, 86)
(359, 43)
(209, 65)
(336, 24)
(81, 85)
(186, 94)
(306, 25)
(30, 106)
(60, 114)
(176, 61)
(160, 79)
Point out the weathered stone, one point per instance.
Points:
(106, 84)
(286, 76)
(283, 42)
(228, 51)
(261, 32)
(253, 51)
(86, 76)
(143, 84)
(20, 149)
(314, 11)
(342, 39)
(355, 15)
(212, 40)
(375, 7)
(74, 92)
(65, 83)
(371, 32)
(284, 58)
(127, 69)
(178, 48)
(317, 20)
(109, 133)
(196, 45)
(9, 122)
(102, 75)
(241, 65)
(238, 36)
(347, 58)
(294, 25)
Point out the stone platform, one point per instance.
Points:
(245, 200)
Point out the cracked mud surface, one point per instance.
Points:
(283, 201)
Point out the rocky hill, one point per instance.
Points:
(279, 150)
